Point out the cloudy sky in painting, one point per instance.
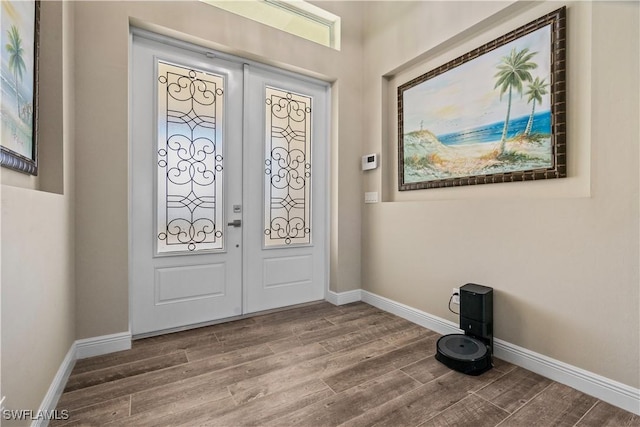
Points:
(464, 97)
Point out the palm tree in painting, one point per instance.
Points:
(16, 62)
(535, 90)
(513, 72)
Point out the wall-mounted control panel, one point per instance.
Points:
(369, 161)
(371, 197)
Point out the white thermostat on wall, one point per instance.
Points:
(369, 161)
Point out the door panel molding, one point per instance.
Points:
(200, 281)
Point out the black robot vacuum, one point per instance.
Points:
(471, 352)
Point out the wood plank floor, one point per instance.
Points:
(318, 365)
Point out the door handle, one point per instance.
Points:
(235, 223)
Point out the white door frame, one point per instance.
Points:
(326, 182)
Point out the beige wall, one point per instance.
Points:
(562, 255)
(38, 297)
(101, 43)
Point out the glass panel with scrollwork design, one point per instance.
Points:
(287, 184)
(190, 158)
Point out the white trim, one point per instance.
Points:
(331, 296)
(605, 389)
(57, 386)
(130, 180)
(328, 190)
(342, 298)
(105, 344)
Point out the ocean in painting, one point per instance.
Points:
(493, 131)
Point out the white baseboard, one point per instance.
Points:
(605, 389)
(57, 386)
(80, 349)
(342, 298)
(104, 344)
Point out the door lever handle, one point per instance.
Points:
(235, 223)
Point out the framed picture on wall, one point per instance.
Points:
(495, 114)
(19, 41)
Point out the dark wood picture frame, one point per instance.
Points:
(19, 128)
(469, 154)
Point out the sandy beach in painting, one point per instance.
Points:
(426, 158)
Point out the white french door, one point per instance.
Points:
(286, 199)
(227, 189)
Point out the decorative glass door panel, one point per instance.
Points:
(190, 202)
(287, 183)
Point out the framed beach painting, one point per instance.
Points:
(495, 114)
(19, 33)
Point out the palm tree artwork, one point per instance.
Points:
(16, 61)
(513, 71)
(535, 90)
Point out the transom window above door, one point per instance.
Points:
(295, 17)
